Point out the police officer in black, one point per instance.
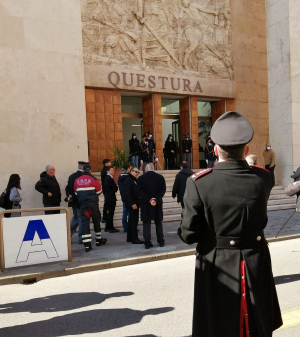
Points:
(187, 149)
(225, 213)
(209, 153)
(110, 189)
(152, 144)
(73, 201)
(146, 152)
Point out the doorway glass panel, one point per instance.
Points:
(170, 106)
(132, 104)
(204, 109)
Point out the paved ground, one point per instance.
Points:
(118, 249)
(146, 300)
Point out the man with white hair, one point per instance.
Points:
(151, 189)
(50, 189)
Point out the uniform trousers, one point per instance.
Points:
(52, 212)
(147, 232)
(90, 209)
(110, 214)
(76, 223)
(271, 171)
(187, 158)
(104, 211)
(171, 163)
(132, 224)
(211, 163)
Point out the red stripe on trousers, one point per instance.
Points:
(244, 318)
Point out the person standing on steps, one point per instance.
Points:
(270, 161)
(106, 164)
(180, 182)
(209, 153)
(151, 189)
(146, 152)
(132, 200)
(170, 149)
(187, 149)
(134, 146)
(125, 172)
(110, 190)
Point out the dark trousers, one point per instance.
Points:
(87, 210)
(133, 221)
(147, 232)
(271, 171)
(52, 212)
(171, 163)
(104, 211)
(110, 214)
(182, 204)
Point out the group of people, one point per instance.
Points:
(146, 150)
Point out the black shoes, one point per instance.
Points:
(147, 246)
(114, 230)
(137, 242)
(101, 242)
(88, 248)
(103, 221)
(161, 244)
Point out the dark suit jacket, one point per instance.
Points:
(180, 183)
(110, 188)
(131, 195)
(151, 185)
(70, 189)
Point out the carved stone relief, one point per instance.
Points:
(191, 37)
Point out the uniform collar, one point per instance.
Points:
(232, 165)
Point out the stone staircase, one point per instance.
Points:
(172, 210)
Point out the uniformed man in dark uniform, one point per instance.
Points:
(146, 152)
(187, 149)
(225, 214)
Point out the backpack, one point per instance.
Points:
(3, 200)
(292, 189)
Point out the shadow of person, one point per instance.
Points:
(286, 279)
(61, 302)
(91, 321)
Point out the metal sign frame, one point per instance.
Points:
(34, 210)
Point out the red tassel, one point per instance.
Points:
(244, 318)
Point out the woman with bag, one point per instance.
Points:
(13, 197)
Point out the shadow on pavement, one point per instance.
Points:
(286, 279)
(62, 302)
(85, 322)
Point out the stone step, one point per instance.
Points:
(281, 196)
(282, 202)
(281, 207)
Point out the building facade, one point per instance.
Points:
(79, 76)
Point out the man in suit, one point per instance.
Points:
(225, 213)
(106, 164)
(152, 188)
(110, 188)
(73, 201)
(180, 182)
(132, 200)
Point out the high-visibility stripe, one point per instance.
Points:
(98, 233)
(85, 189)
(87, 236)
(87, 240)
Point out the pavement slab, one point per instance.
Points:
(117, 252)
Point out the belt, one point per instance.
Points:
(230, 242)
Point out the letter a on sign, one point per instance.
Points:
(36, 240)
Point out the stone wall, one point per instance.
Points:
(280, 55)
(250, 68)
(42, 105)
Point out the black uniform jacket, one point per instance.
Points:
(134, 147)
(180, 183)
(146, 152)
(187, 145)
(131, 195)
(47, 184)
(169, 146)
(110, 188)
(151, 185)
(103, 175)
(230, 201)
(209, 152)
(70, 189)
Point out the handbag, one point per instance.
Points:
(292, 189)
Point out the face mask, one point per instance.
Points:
(171, 138)
(150, 136)
(268, 148)
(187, 138)
(134, 137)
